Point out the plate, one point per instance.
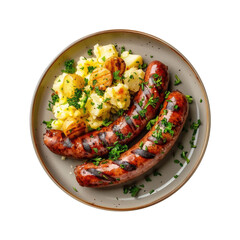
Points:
(173, 170)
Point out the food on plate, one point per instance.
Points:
(115, 64)
(100, 78)
(145, 105)
(145, 154)
(94, 90)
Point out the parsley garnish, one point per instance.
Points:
(99, 92)
(120, 112)
(130, 51)
(95, 150)
(177, 81)
(116, 150)
(157, 79)
(75, 99)
(85, 81)
(144, 65)
(96, 161)
(122, 49)
(183, 155)
(151, 123)
(106, 122)
(55, 98)
(189, 98)
(49, 123)
(104, 58)
(134, 190)
(100, 106)
(116, 75)
(69, 66)
(89, 52)
(91, 68)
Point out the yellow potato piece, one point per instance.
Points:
(74, 127)
(70, 83)
(131, 60)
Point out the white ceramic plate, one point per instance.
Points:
(173, 175)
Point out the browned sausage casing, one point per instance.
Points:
(124, 129)
(141, 157)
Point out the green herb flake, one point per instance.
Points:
(75, 189)
(90, 69)
(104, 58)
(189, 99)
(148, 179)
(116, 75)
(69, 67)
(183, 155)
(95, 150)
(122, 49)
(89, 52)
(177, 81)
(48, 123)
(152, 191)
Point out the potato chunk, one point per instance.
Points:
(74, 127)
(101, 78)
(104, 52)
(131, 60)
(119, 96)
(70, 83)
(114, 64)
(132, 78)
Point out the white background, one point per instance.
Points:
(33, 33)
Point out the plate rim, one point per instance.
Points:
(206, 101)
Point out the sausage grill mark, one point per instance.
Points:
(102, 137)
(143, 153)
(100, 174)
(67, 143)
(129, 122)
(125, 165)
(86, 146)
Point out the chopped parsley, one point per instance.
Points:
(144, 65)
(141, 145)
(85, 81)
(74, 101)
(120, 112)
(89, 52)
(130, 51)
(177, 81)
(134, 190)
(148, 179)
(75, 189)
(183, 155)
(98, 91)
(122, 49)
(96, 161)
(167, 94)
(55, 98)
(100, 106)
(90, 69)
(156, 173)
(195, 127)
(152, 191)
(152, 101)
(116, 75)
(157, 79)
(69, 66)
(116, 150)
(104, 58)
(106, 122)
(48, 123)
(151, 123)
(189, 98)
(200, 100)
(95, 150)
(120, 135)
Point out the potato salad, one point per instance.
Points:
(89, 93)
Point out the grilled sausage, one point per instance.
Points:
(125, 128)
(145, 154)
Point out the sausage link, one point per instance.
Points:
(143, 155)
(124, 129)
